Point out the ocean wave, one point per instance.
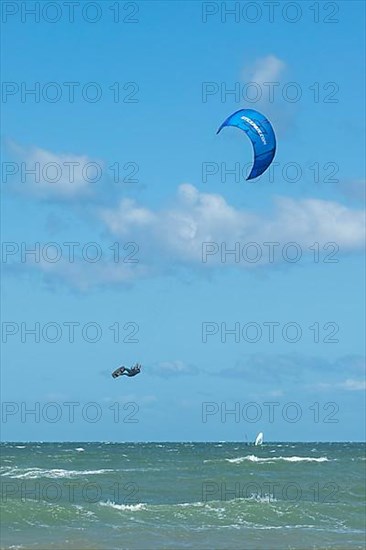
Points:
(262, 498)
(253, 458)
(87, 513)
(267, 497)
(56, 473)
(186, 504)
(124, 507)
(209, 505)
(304, 459)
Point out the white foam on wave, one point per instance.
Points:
(253, 458)
(83, 511)
(124, 507)
(56, 473)
(305, 459)
(186, 504)
(216, 504)
(79, 449)
(240, 459)
(267, 497)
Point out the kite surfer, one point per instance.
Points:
(124, 371)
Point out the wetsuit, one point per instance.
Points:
(130, 372)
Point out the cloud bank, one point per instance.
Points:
(196, 231)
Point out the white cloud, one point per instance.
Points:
(347, 385)
(267, 73)
(309, 220)
(353, 385)
(179, 232)
(306, 373)
(266, 69)
(175, 237)
(81, 275)
(127, 217)
(48, 175)
(172, 368)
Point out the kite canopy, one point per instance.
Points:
(260, 132)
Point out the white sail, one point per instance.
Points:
(259, 439)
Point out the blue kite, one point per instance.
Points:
(260, 132)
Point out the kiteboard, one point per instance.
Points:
(118, 372)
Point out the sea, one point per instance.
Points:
(86, 496)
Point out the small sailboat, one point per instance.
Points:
(259, 439)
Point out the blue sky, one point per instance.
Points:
(164, 140)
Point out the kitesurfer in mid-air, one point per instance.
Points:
(124, 371)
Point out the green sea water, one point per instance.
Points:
(108, 496)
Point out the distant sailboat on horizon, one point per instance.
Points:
(259, 439)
